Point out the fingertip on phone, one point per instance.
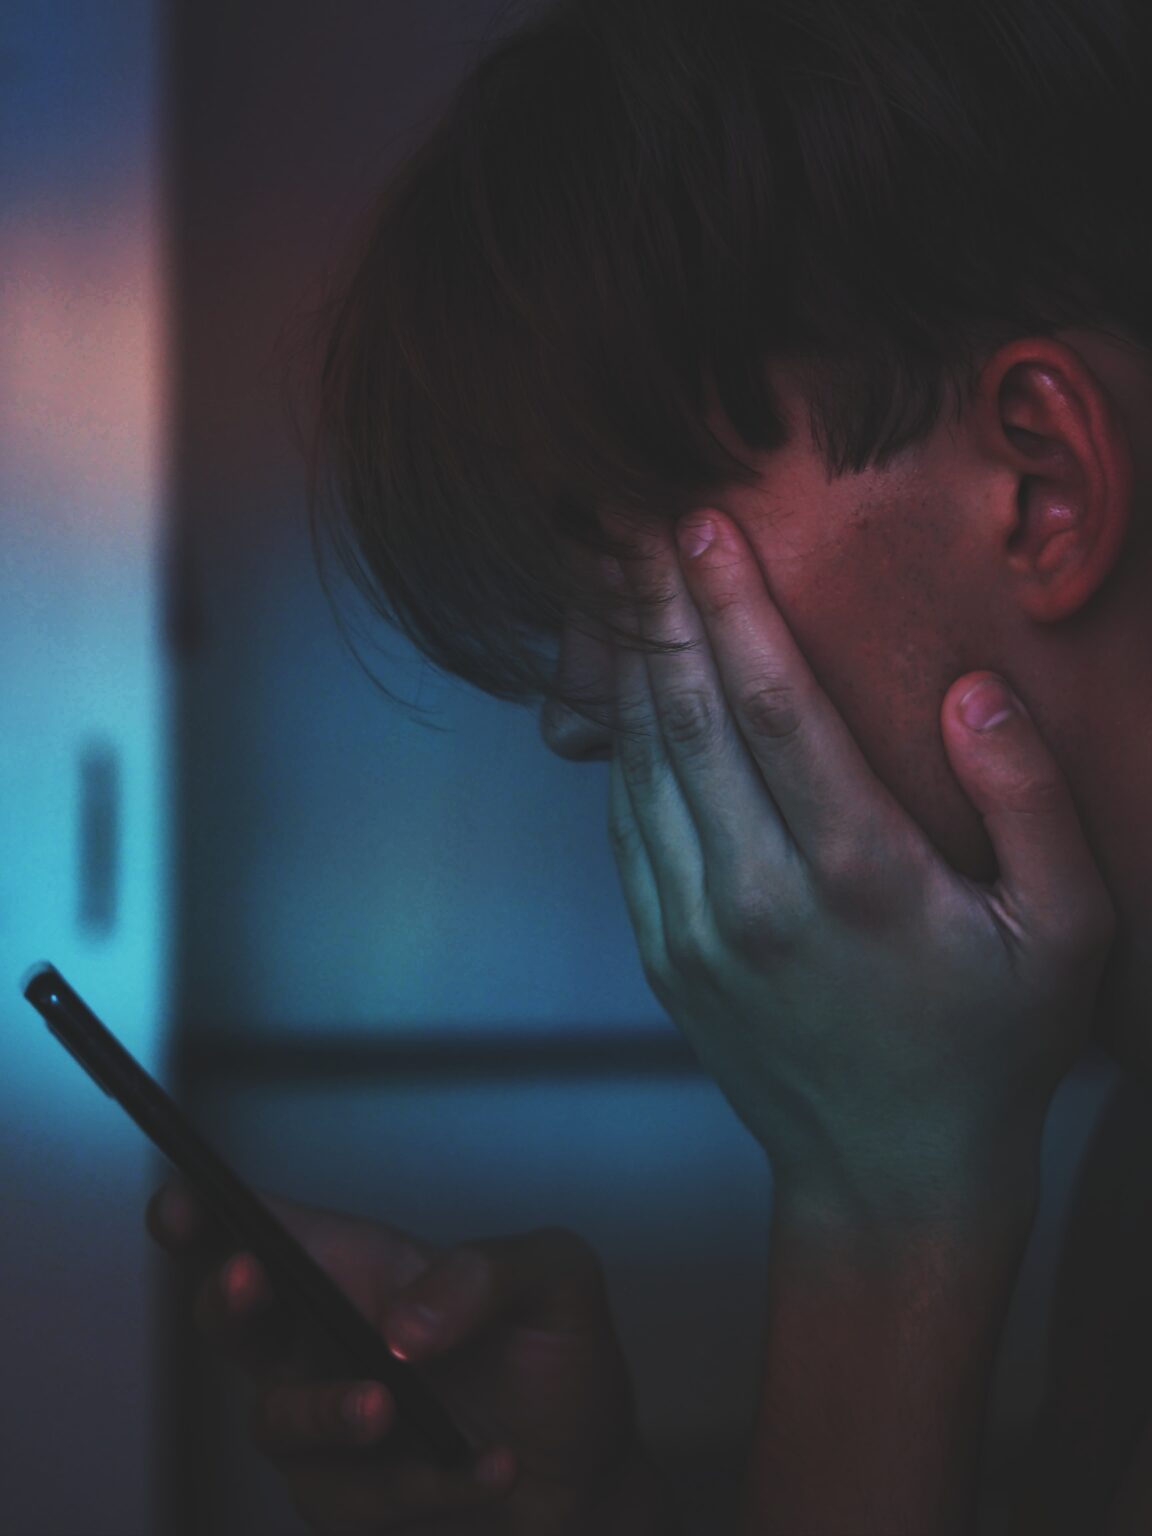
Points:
(244, 1280)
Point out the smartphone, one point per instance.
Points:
(290, 1268)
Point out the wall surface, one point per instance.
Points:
(340, 864)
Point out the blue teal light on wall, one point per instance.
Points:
(82, 406)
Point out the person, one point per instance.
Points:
(862, 285)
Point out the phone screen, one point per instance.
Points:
(290, 1268)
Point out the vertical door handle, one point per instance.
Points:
(99, 837)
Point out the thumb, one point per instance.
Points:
(1050, 887)
(550, 1280)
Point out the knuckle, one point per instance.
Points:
(637, 759)
(850, 903)
(688, 949)
(1036, 794)
(690, 720)
(770, 709)
(857, 884)
(724, 596)
(841, 866)
(762, 918)
(626, 841)
(764, 930)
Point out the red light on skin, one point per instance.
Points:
(242, 1280)
(410, 1329)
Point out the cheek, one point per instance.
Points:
(886, 653)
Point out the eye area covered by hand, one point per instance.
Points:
(772, 780)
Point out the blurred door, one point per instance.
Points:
(82, 719)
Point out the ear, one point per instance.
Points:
(1052, 418)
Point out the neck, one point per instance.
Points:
(1115, 798)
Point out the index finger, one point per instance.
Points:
(823, 786)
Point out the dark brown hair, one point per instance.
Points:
(628, 198)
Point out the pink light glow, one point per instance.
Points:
(83, 373)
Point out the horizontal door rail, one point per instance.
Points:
(204, 1056)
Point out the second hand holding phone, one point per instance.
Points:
(420, 1418)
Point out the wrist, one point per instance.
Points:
(884, 1308)
(983, 1193)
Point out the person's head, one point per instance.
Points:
(873, 276)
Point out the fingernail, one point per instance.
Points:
(410, 1328)
(361, 1412)
(694, 537)
(987, 705)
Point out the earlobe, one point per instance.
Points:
(1073, 461)
(1064, 549)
